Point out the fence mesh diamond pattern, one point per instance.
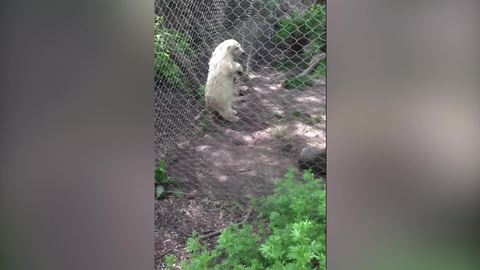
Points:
(280, 101)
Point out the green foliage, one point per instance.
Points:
(170, 261)
(161, 180)
(161, 176)
(310, 25)
(314, 120)
(289, 235)
(311, 28)
(321, 69)
(296, 114)
(290, 63)
(201, 92)
(315, 27)
(297, 82)
(166, 41)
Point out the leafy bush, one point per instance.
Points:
(165, 42)
(308, 28)
(316, 28)
(321, 69)
(307, 33)
(290, 233)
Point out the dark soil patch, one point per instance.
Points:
(177, 218)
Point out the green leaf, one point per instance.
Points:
(159, 191)
(161, 173)
(170, 261)
(176, 193)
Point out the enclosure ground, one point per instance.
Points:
(227, 162)
(242, 159)
(176, 218)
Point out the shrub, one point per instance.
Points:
(304, 33)
(290, 233)
(301, 29)
(165, 41)
(316, 28)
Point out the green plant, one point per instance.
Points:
(290, 233)
(308, 31)
(308, 28)
(201, 92)
(170, 261)
(166, 41)
(297, 82)
(316, 27)
(162, 179)
(314, 120)
(296, 114)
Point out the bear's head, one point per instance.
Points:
(234, 48)
(228, 49)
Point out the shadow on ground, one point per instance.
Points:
(237, 160)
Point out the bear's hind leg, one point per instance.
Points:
(229, 115)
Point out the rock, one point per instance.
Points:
(319, 82)
(238, 138)
(242, 90)
(314, 158)
(278, 113)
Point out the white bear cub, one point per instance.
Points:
(222, 70)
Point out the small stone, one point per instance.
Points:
(314, 158)
(237, 138)
(278, 114)
(319, 82)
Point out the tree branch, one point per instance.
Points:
(313, 63)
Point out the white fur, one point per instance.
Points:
(222, 69)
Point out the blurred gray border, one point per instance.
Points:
(76, 135)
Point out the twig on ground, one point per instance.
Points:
(166, 252)
(243, 221)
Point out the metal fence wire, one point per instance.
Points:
(280, 101)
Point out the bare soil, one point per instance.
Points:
(225, 164)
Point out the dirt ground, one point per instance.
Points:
(227, 163)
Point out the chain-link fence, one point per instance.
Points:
(279, 100)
